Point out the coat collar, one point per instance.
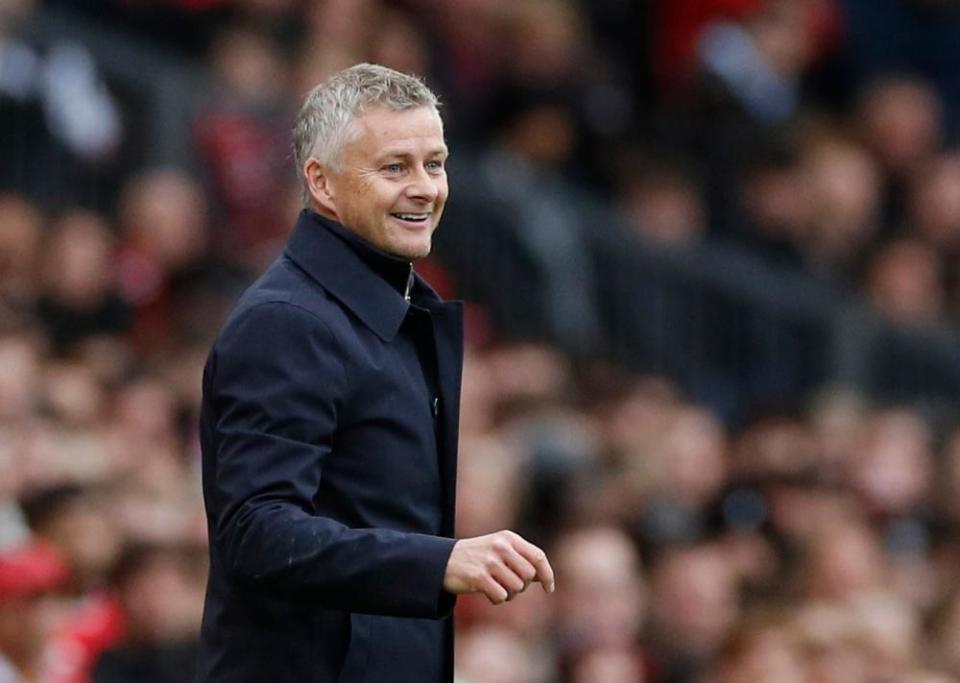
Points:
(368, 281)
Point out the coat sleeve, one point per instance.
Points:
(275, 384)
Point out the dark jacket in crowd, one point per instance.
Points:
(166, 662)
(329, 433)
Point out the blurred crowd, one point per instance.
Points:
(818, 546)
(815, 544)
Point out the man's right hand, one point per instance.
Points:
(499, 565)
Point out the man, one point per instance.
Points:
(330, 417)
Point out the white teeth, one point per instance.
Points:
(412, 216)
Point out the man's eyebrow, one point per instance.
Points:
(404, 153)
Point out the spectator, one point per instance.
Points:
(933, 211)
(899, 119)
(522, 178)
(663, 203)
(608, 665)
(20, 237)
(844, 562)
(80, 298)
(73, 394)
(163, 217)
(904, 283)
(491, 655)
(763, 647)
(845, 185)
(777, 215)
(20, 368)
(693, 604)
(241, 134)
(76, 522)
(30, 577)
(602, 602)
(160, 591)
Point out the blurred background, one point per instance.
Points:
(710, 252)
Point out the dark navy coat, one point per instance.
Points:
(329, 433)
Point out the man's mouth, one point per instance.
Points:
(411, 217)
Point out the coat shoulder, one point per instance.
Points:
(283, 295)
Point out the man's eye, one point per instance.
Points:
(434, 165)
(393, 168)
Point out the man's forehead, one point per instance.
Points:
(387, 126)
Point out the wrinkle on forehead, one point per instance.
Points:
(382, 133)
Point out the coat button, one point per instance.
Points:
(436, 406)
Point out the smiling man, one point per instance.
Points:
(330, 415)
(390, 185)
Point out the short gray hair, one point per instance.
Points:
(325, 122)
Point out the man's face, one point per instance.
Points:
(392, 185)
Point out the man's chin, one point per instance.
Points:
(415, 255)
(412, 251)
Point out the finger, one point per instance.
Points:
(505, 576)
(520, 566)
(538, 559)
(495, 593)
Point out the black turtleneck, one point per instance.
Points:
(396, 270)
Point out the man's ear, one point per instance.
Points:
(318, 184)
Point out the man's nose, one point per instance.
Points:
(423, 186)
